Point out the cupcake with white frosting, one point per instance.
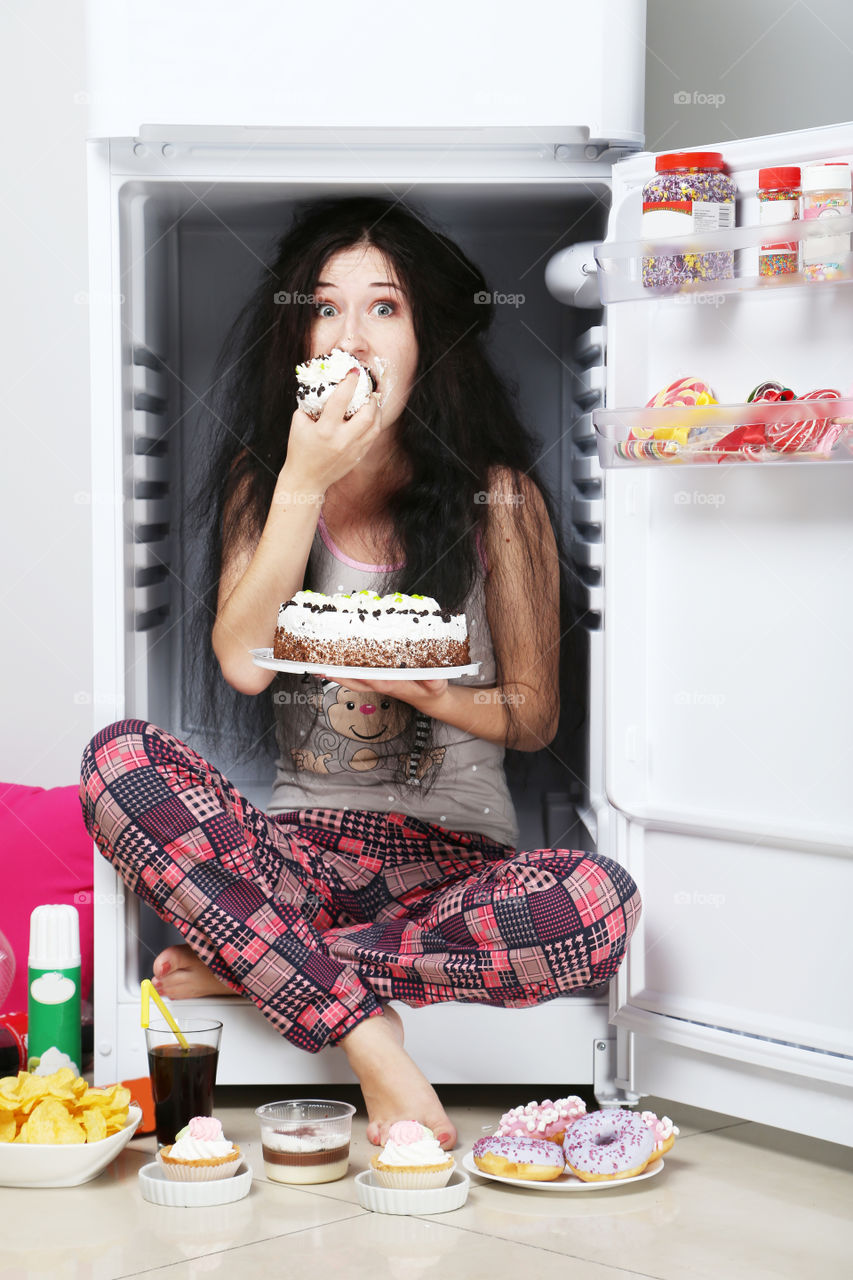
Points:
(412, 1159)
(200, 1153)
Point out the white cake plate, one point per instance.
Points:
(264, 658)
(566, 1181)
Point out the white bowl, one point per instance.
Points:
(157, 1188)
(436, 1200)
(24, 1164)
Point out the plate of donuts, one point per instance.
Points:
(566, 1181)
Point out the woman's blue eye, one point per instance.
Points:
(323, 307)
(389, 308)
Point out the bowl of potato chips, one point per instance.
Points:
(58, 1131)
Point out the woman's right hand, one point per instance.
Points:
(322, 452)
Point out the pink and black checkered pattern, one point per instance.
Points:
(321, 915)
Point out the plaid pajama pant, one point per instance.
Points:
(320, 916)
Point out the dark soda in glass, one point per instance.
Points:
(182, 1083)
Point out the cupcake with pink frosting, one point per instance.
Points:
(412, 1159)
(200, 1153)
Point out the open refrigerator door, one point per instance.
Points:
(728, 629)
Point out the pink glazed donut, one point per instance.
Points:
(606, 1145)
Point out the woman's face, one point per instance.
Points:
(360, 308)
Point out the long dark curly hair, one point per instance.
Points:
(460, 424)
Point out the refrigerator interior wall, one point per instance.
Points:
(190, 255)
(728, 636)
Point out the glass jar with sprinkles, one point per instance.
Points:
(779, 201)
(826, 195)
(689, 193)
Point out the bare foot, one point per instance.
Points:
(393, 1086)
(179, 975)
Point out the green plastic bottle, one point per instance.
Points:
(53, 987)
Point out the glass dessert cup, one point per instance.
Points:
(305, 1140)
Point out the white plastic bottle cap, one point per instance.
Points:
(827, 177)
(54, 937)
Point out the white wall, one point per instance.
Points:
(45, 586)
(778, 66)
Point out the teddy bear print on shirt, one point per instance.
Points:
(350, 728)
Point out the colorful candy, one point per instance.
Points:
(750, 442)
(793, 437)
(683, 391)
(641, 449)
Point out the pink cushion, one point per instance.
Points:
(46, 855)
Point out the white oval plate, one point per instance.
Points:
(45, 1164)
(158, 1189)
(566, 1181)
(264, 658)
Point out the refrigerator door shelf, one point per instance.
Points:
(829, 440)
(620, 264)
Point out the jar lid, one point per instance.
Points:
(689, 160)
(832, 176)
(782, 179)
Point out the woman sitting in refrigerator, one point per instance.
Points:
(385, 867)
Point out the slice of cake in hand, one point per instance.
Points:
(200, 1153)
(364, 629)
(412, 1159)
(317, 379)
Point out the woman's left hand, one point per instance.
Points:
(421, 694)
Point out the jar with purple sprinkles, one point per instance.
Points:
(689, 193)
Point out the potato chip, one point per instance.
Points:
(60, 1084)
(59, 1108)
(51, 1123)
(10, 1087)
(32, 1090)
(95, 1125)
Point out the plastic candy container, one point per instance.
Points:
(826, 194)
(779, 197)
(689, 193)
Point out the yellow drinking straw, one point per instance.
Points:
(147, 990)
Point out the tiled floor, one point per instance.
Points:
(735, 1201)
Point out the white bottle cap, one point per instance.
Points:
(54, 937)
(827, 177)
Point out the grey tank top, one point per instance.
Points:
(334, 769)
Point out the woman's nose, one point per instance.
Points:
(351, 338)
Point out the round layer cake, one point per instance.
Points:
(364, 629)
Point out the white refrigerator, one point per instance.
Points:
(719, 628)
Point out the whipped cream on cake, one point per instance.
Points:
(364, 629)
(317, 379)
